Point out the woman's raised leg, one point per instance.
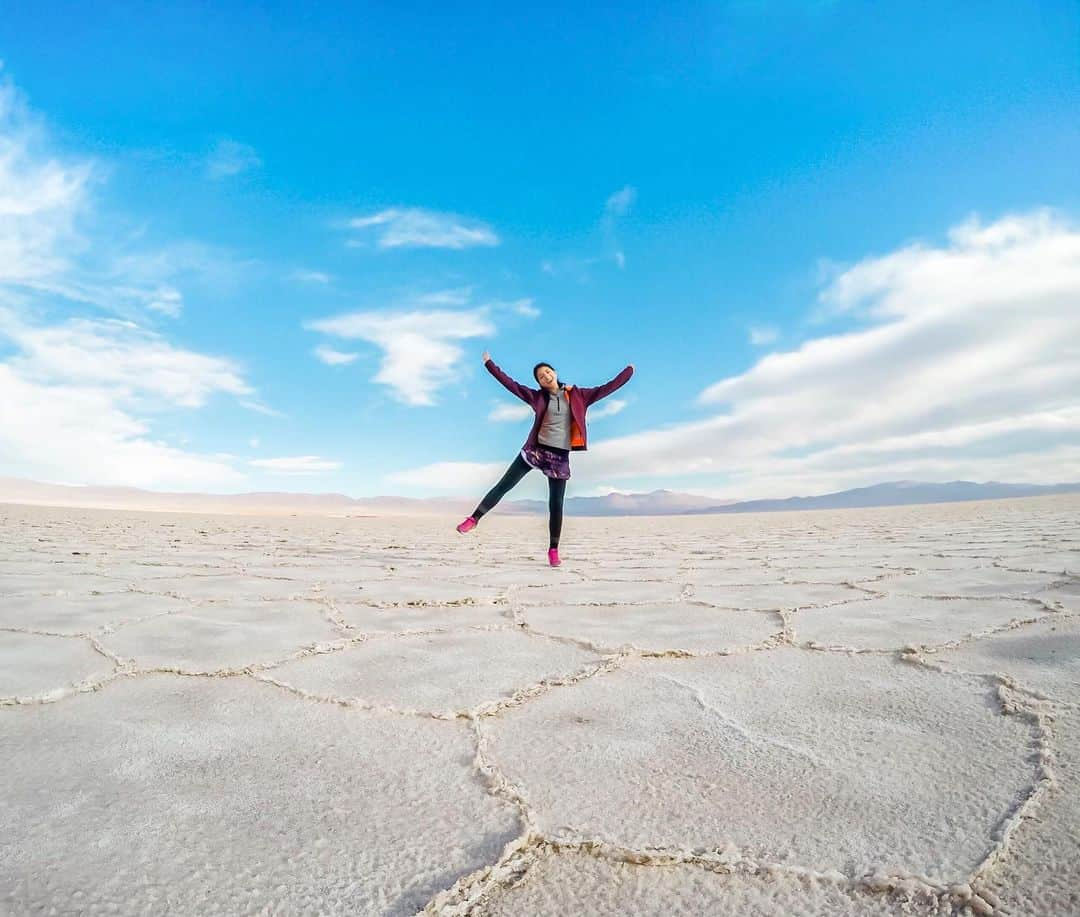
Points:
(517, 470)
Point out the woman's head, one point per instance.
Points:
(545, 375)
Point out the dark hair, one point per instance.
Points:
(536, 369)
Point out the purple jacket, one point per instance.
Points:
(580, 399)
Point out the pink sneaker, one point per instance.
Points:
(467, 526)
(553, 557)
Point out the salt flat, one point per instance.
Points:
(836, 713)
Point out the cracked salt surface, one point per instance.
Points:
(893, 622)
(446, 673)
(568, 882)
(228, 797)
(678, 627)
(843, 781)
(860, 712)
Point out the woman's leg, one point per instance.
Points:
(556, 492)
(517, 470)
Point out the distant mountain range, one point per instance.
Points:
(896, 493)
(655, 503)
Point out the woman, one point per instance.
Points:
(558, 428)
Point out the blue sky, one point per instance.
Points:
(263, 249)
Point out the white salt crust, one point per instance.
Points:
(859, 712)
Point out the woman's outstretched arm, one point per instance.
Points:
(512, 386)
(602, 391)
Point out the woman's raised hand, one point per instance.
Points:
(485, 356)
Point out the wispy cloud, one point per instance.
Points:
(133, 362)
(505, 413)
(73, 397)
(332, 357)
(420, 349)
(56, 244)
(80, 394)
(308, 276)
(448, 477)
(413, 227)
(616, 207)
(296, 465)
(522, 307)
(608, 408)
(619, 203)
(761, 335)
(230, 157)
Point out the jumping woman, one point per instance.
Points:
(558, 429)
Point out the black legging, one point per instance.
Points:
(517, 470)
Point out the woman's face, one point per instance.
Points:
(547, 378)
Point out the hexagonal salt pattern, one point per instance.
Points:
(896, 621)
(80, 614)
(677, 627)
(1043, 657)
(858, 763)
(442, 673)
(157, 795)
(384, 619)
(44, 666)
(851, 713)
(569, 882)
(1039, 873)
(225, 635)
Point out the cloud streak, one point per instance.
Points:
(229, 158)
(296, 465)
(963, 361)
(332, 357)
(414, 227)
(420, 348)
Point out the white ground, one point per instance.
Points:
(844, 713)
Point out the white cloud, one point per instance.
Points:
(413, 227)
(307, 276)
(510, 412)
(526, 308)
(40, 197)
(449, 477)
(54, 243)
(763, 334)
(118, 355)
(964, 363)
(77, 392)
(616, 206)
(71, 396)
(259, 408)
(332, 357)
(82, 434)
(607, 408)
(619, 203)
(970, 350)
(419, 348)
(523, 307)
(296, 464)
(230, 157)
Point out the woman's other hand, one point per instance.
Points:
(485, 356)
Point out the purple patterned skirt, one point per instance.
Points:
(555, 463)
